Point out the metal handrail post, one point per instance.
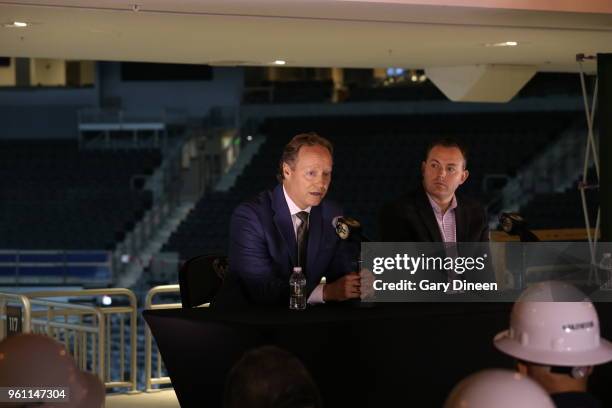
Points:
(26, 323)
(148, 336)
(133, 321)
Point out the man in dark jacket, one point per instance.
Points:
(434, 212)
(286, 227)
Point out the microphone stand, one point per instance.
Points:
(349, 230)
(515, 224)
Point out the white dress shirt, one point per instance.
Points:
(317, 294)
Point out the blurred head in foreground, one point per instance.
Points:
(498, 389)
(34, 360)
(269, 377)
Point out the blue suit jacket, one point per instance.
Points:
(263, 251)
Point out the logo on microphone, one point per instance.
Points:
(346, 226)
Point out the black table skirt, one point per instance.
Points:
(388, 355)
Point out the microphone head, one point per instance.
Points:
(512, 223)
(335, 220)
(345, 226)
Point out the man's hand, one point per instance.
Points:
(367, 284)
(347, 287)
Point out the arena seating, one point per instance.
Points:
(290, 92)
(407, 91)
(55, 196)
(375, 159)
(546, 84)
(562, 210)
(542, 84)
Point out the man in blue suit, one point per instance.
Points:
(290, 226)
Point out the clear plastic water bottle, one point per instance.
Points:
(297, 290)
(606, 266)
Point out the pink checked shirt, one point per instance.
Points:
(446, 221)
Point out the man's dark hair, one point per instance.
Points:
(291, 150)
(448, 142)
(269, 377)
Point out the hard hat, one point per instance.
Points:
(499, 389)
(553, 323)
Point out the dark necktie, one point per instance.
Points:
(302, 239)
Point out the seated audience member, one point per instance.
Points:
(554, 336)
(498, 389)
(286, 227)
(34, 360)
(435, 212)
(269, 377)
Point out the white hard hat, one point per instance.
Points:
(499, 389)
(553, 323)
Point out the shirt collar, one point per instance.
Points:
(437, 208)
(293, 208)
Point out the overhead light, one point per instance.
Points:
(280, 62)
(249, 138)
(414, 77)
(502, 44)
(16, 24)
(422, 78)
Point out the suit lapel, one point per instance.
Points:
(282, 220)
(315, 232)
(428, 216)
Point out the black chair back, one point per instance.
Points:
(200, 278)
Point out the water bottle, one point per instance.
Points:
(297, 290)
(606, 266)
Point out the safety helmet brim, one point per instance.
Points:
(599, 355)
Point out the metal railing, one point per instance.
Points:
(85, 330)
(123, 116)
(159, 379)
(77, 327)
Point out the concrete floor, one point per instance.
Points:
(155, 399)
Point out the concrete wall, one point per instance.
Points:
(47, 72)
(88, 72)
(7, 74)
(40, 112)
(38, 122)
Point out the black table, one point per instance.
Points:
(389, 355)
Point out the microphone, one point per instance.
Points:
(348, 228)
(515, 224)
